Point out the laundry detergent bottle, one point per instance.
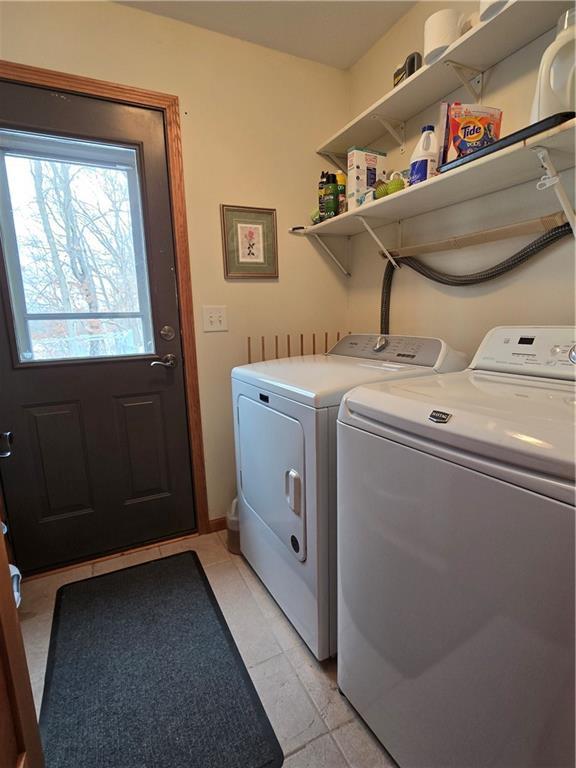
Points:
(425, 157)
(556, 79)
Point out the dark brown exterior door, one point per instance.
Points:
(89, 329)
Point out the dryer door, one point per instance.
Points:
(272, 471)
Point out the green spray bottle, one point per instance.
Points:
(330, 196)
(321, 184)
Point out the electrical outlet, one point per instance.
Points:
(214, 319)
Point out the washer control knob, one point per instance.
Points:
(381, 343)
(572, 354)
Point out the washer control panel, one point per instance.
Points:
(414, 350)
(534, 351)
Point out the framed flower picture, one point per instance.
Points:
(249, 242)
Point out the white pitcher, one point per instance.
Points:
(555, 89)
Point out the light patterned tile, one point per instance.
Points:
(248, 625)
(266, 602)
(38, 593)
(35, 612)
(319, 679)
(292, 714)
(320, 753)
(285, 633)
(210, 548)
(283, 630)
(36, 609)
(125, 560)
(360, 748)
(36, 647)
(37, 692)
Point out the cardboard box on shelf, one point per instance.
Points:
(365, 167)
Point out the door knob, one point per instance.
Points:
(168, 361)
(6, 440)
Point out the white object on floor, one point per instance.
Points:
(233, 529)
(285, 429)
(16, 579)
(456, 557)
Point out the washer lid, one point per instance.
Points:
(518, 420)
(319, 380)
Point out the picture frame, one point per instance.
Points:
(249, 242)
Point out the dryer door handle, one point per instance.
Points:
(293, 484)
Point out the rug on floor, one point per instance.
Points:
(143, 672)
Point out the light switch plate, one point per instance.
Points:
(215, 318)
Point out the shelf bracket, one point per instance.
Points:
(471, 78)
(397, 132)
(338, 160)
(384, 252)
(334, 258)
(552, 179)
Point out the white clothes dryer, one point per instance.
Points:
(285, 430)
(456, 557)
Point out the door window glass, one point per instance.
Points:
(72, 238)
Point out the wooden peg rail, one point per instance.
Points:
(280, 345)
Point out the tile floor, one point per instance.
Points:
(314, 724)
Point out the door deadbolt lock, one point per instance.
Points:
(167, 332)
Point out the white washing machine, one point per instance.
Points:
(285, 428)
(456, 557)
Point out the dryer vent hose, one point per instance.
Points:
(557, 233)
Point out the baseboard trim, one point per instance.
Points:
(217, 524)
(110, 556)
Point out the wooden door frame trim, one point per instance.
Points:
(169, 106)
(14, 667)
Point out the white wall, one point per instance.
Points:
(250, 120)
(541, 292)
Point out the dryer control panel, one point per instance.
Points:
(413, 350)
(544, 351)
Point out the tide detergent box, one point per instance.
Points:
(365, 167)
(472, 127)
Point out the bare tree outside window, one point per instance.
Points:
(80, 258)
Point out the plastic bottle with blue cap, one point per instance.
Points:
(425, 157)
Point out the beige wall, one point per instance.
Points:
(372, 74)
(250, 120)
(541, 292)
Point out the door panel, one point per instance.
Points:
(59, 455)
(143, 441)
(272, 471)
(101, 458)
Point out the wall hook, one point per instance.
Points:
(552, 179)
